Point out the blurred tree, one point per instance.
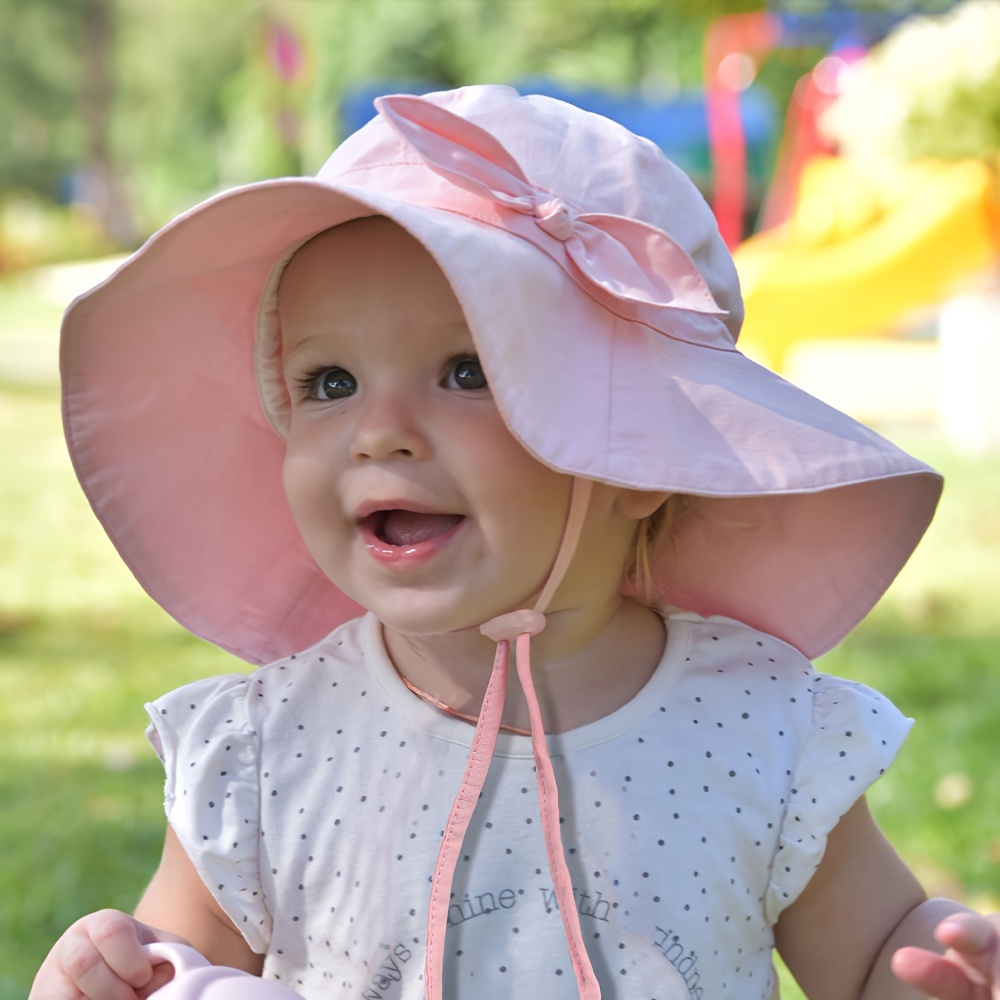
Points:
(40, 129)
(116, 104)
(177, 62)
(620, 44)
(57, 101)
(97, 108)
(143, 106)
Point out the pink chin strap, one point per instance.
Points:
(518, 626)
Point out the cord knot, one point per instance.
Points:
(509, 626)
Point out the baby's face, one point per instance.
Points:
(407, 487)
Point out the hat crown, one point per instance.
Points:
(586, 161)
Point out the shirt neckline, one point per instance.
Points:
(438, 725)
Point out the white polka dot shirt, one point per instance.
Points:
(312, 795)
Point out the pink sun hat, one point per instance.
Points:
(605, 309)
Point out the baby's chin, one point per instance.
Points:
(429, 620)
(458, 627)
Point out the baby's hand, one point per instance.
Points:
(101, 958)
(968, 970)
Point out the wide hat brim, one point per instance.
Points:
(804, 516)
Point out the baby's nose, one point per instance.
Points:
(389, 425)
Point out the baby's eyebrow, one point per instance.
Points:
(306, 352)
(459, 330)
(455, 326)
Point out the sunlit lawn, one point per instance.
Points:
(81, 648)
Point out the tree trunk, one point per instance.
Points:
(97, 100)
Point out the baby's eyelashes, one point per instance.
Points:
(327, 384)
(465, 373)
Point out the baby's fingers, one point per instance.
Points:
(969, 969)
(974, 936)
(939, 976)
(103, 957)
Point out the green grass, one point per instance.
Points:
(81, 649)
(82, 822)
(30, 319)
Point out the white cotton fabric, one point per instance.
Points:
(311, 797)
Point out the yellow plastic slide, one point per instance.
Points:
(865, 247)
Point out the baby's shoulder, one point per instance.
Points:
(344, 648)
(326, 672)
(346, 645)
(726, 663)
(716, 646)
(319, 679)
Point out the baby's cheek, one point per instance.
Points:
(294, 481)
(310, 491)
(304, 469)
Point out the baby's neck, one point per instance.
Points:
(585, 665)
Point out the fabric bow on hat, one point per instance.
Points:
(628, 266)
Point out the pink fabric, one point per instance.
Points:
(618, 261)
(195, 979)
(509, 626)
(480, 754)
(548, 801)
(579, 500)
(803, 516)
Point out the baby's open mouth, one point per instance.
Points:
(399, 527)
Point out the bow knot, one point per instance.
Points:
(632, 268)
(556, 218)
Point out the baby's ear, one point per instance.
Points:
(638, 504)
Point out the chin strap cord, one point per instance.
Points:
(519, 627)
(548, 801)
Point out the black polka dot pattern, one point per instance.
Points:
(312, 797)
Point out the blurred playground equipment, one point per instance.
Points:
(735, 46)
(863, 251)
(873, 283)
(846, 248)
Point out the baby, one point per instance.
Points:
(472, 396)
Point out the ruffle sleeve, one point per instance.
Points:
(855, 735)
(203, 735)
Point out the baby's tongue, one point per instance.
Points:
(407, 527)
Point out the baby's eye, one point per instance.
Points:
(465, 373)
(331, 383)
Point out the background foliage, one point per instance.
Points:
(932, 88)
(137, 108)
